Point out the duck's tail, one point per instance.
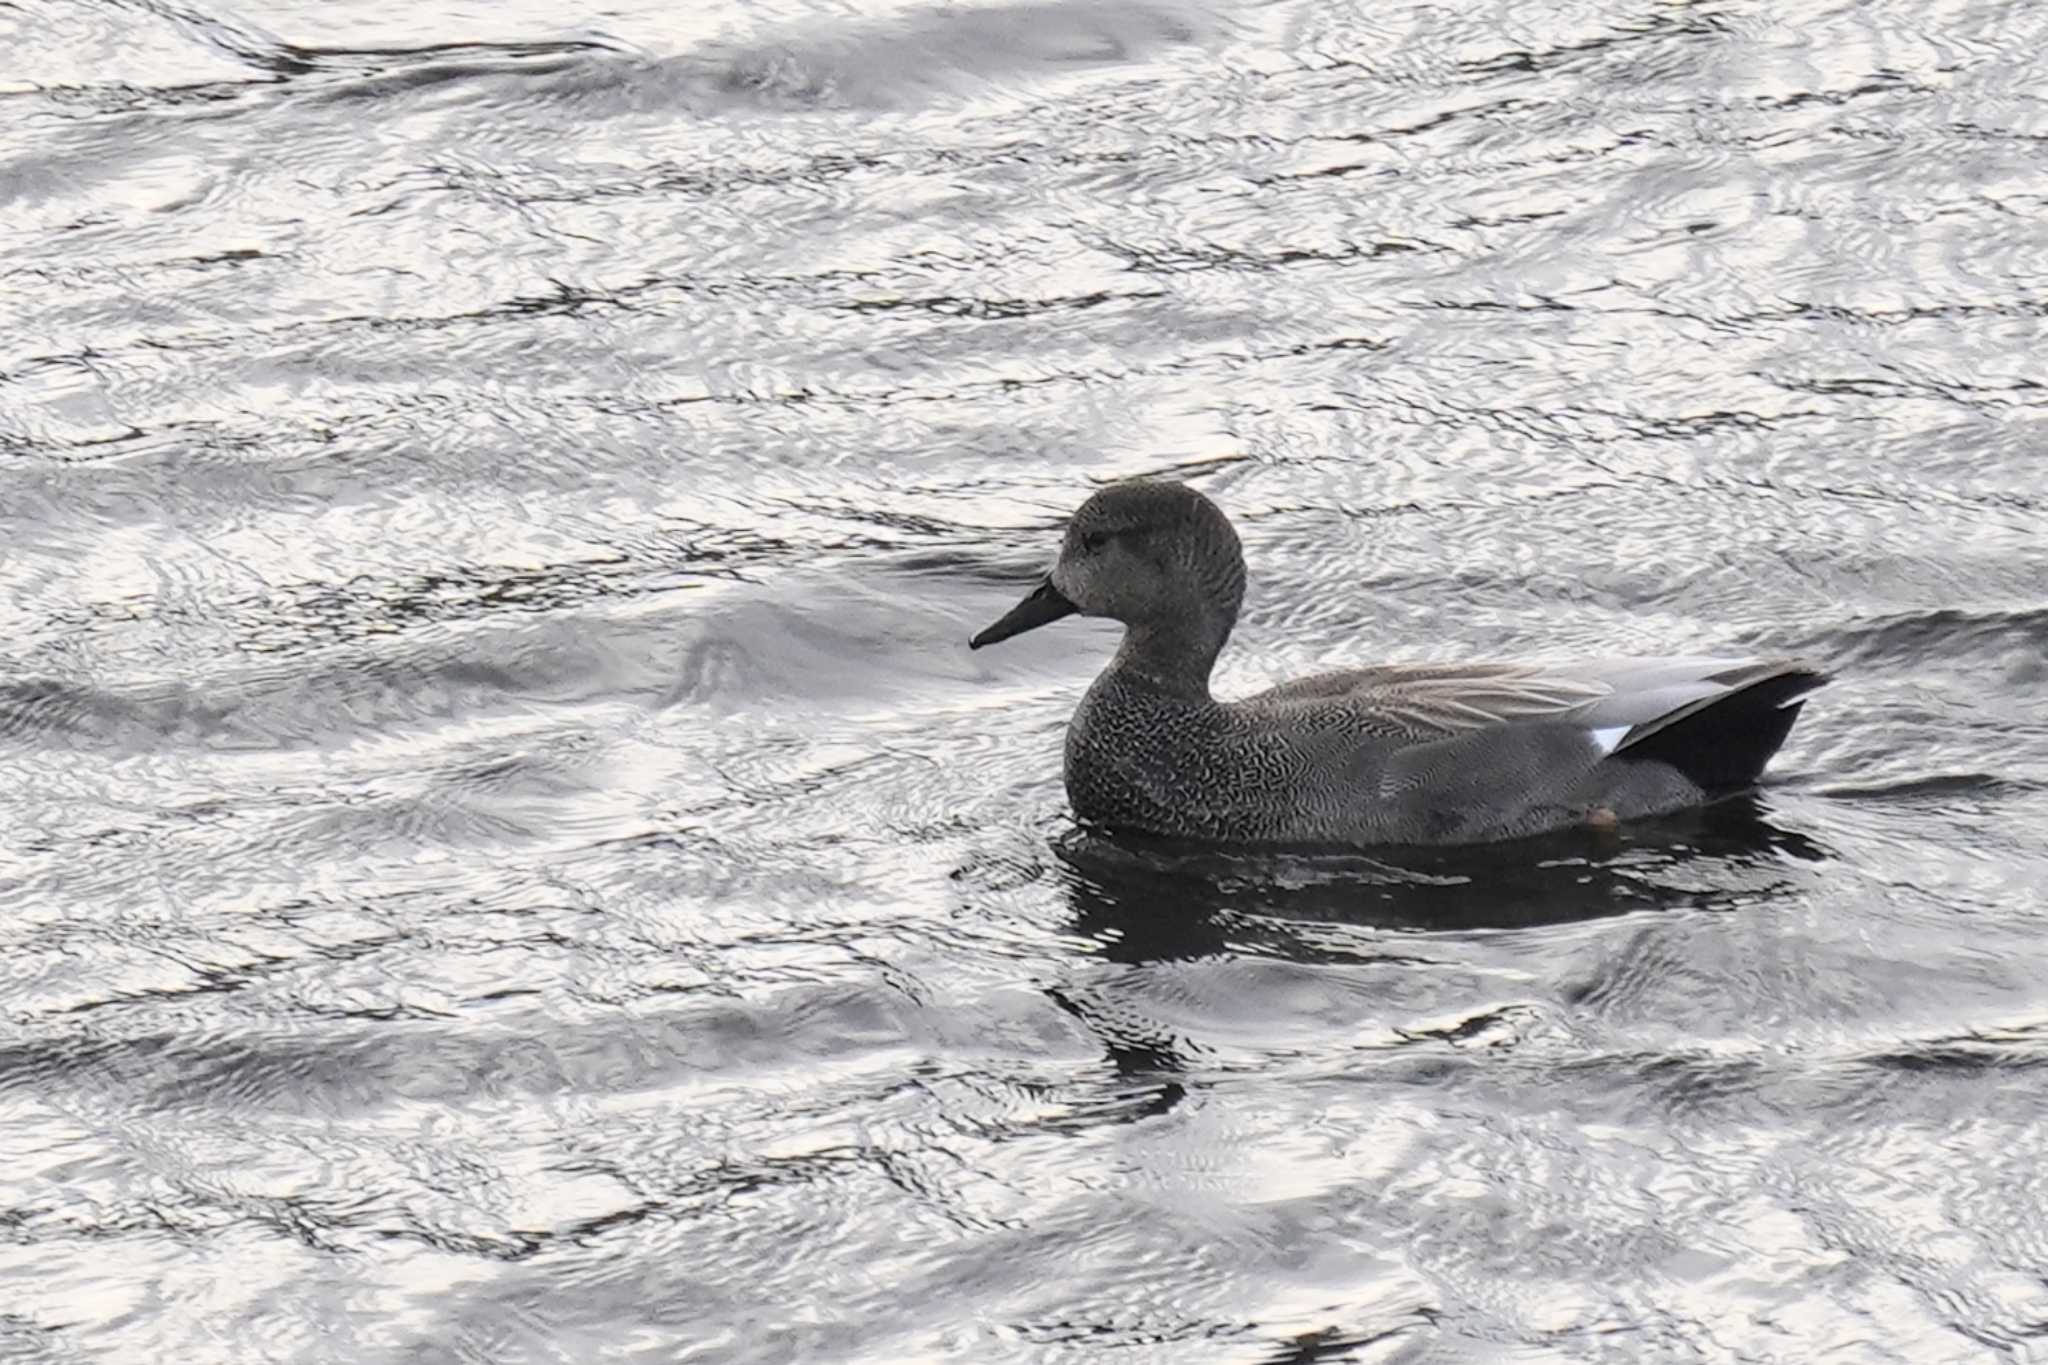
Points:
(1722, 742)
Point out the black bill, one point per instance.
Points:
(1046, 603)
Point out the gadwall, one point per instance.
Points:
(1398, 754)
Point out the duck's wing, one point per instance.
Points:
(1422, 702)
(1455, 753)
(1620, 703)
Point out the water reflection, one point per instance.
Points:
(1207, 944)
(1159, 900)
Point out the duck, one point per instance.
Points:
(1392, 754)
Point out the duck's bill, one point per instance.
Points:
(1046, 603)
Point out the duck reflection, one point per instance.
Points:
(1152, 903)
(1150, 900)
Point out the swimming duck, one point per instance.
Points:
(1395, 754)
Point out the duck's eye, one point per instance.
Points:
(1094, 540)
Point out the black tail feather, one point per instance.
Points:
(1724, 745)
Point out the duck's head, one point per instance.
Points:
(1159, 557)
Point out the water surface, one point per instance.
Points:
(506, 856)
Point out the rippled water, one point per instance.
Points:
(506, 857)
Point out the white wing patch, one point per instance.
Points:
(1609, 737)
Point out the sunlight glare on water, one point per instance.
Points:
(507, 857)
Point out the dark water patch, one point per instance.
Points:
(1909, 640)
(263, 709)
(1124, 884)
(376, 74)
(950, 52)
(1937, 788)
(2013, 1051)
(939, 54)
(36, 706)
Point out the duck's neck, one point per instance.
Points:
(1174, 658)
